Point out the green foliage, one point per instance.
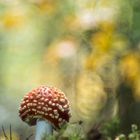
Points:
(110, 131)
(111, 128)
(72, 131)
(133, 135)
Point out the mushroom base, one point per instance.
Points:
(43, 129)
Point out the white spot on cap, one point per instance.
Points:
(31, 97)
(26, 96)
(65, 106)
(56, 116)
(55, 111)
(62, 100)
(27, 101)
(61, 108)
(60, 119)
(50, 102)
(41, 112)
(37, 111)
(34, 109)
(39, 107)
(24, 106)
(49, 95)
(45, 90)
(55, 99)
(51, 115)
(42, 99)
(42, 103)
(38, 96)
(23, 102)
(49, 108)
(29, 104)
(34, 104)
(35, 101)
(45, 109)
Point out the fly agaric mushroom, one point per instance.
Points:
(47, 108)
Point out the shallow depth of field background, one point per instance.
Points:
(90, 49)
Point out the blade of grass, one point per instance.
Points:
(10, 132)
(4, 133)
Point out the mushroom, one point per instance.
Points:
(47, 108)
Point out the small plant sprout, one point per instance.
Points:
(122, 137)
(134, 135)
(47, 108)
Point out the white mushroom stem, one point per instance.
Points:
(43, 129)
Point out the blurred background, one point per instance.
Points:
(88, 49)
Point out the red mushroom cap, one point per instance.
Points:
(46, 103)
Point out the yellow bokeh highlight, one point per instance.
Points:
(13, 18)
(90, 95)
(92, 62)
(130, 66)
(108, 27)
(47, 6)
(102, 41)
